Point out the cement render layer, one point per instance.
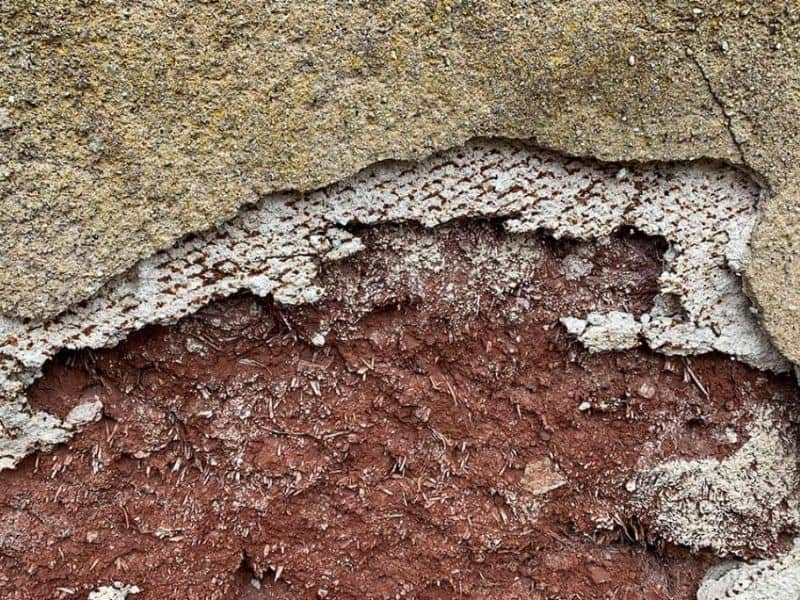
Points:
(125, 126)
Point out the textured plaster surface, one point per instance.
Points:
(747, 498)
(771, 579)
(704, 210)
(604, 332)
(123, 127)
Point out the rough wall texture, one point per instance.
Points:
(125, 126)
(775, 579)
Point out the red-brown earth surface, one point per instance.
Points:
(433, 447)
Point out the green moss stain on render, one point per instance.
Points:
(129, 125)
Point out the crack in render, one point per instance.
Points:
(725, 116)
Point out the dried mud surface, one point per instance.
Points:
(447, 439)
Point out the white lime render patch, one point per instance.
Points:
(705, 211)
(116, 591)
(744, 500)
(772, 579)
(604, 332)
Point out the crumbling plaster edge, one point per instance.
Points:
(764, 197)
(771, 189)
(530, 188)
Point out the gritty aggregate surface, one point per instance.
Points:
(750, 497)
(91, 179)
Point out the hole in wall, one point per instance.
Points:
(236, 431)
(447, 437)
